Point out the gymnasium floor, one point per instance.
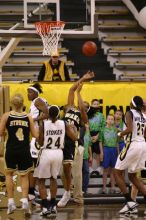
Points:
(74, 212)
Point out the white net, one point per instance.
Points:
(50, 34)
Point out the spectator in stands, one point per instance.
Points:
(54, 70)
(109, 151)
(96, 123)
(79, 151)
(87, 156)
(119, 123)
(87, 159)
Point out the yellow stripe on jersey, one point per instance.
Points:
(127, 145)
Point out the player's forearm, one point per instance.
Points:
(42, 116)
(125, 132)
(76, 84)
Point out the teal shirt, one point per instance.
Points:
(108, 136)
(120, 126)
(97, 122)
(87, 144)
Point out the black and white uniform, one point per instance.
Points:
(17, 155)
(34, 112)
(51, 155)
(73, 116)
(134, 153)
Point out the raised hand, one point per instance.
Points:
(88, 75)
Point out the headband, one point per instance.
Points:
(133, 103)
(34, 89)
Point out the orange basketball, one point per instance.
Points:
(89, 48)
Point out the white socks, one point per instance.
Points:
(24, 200)
(11, 200)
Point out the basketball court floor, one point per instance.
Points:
(74, 212)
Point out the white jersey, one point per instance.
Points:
(34, 113)
(139, 124)
(54, 134)
(133, 154)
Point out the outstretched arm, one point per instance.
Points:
(40, 139)
(34, 131)
(71, 132)
(129, 124)
(87, 76)
(81, 104)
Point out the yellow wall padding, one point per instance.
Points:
(112, 95)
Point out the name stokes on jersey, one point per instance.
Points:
(54, 132)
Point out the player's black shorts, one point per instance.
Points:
(143, 174)
(69, 150)
(95, 146)
(19, 159)
(34, 161)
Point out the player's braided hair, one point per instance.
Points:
(38, 87)
(54, 112)
(138, 104)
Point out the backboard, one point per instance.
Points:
(77, 14)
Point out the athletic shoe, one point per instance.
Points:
(36, 192)
(31, 196)
(128, 216)
(19, 189)
(53, 210)
(36, 202)
(64, 200)
(134, 211)
(25, 207)
(11, 208)
(95, 173)
(100, 170)
(130, 207)
(45, 211)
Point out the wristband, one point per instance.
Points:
(119, 134)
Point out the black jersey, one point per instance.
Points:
(73, 116)
(18, 127)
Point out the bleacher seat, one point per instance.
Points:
(123, 40)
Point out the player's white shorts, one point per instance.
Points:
(132, 157)
(34, 148)
(49, 163)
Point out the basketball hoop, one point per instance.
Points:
(49, 32)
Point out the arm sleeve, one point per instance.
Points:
(41, 73)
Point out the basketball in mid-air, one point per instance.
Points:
(89, 48)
